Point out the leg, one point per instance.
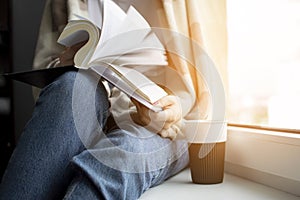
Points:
(127, 162)
(82, 188)
(38, 168)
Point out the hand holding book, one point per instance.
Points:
(166, 123)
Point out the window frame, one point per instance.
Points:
(265, 127)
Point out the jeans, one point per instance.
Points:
(64, 153)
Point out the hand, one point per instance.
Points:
(166, 123)
(67, 56)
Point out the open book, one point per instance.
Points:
(117, 43)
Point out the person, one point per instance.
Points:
(88, 140)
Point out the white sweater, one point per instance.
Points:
(47, 50)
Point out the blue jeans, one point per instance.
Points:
(53, 160)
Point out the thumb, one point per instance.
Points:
(165, 101)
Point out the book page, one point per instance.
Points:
(133, 21)
(113, 16)
(133, 42)
(78, 36)
(138, 82)
(77, 31)
(115, 79)
(143, 86)
(139, 58)
(95, 11)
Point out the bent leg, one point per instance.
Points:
(128, 162)
(38, 168)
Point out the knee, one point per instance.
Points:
(77, 92)
(61, 85)
(83, 83)
(65, 82)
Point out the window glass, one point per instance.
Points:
(264, 62)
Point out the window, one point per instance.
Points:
(264, 62)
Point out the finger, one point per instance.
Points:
(142, 113)
(136, 118)
(145, 122)
(135, 102)
(170, 115)
(69, 52)
(172, 134)
(139, 105)
(168, 101)
(66, 55)
(77, 46)
(163, 133)
(168, 133)
(171, 107)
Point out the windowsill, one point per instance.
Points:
(268, 160)
(233, 187)
(267, 157)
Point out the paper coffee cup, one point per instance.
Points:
(206, 150)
